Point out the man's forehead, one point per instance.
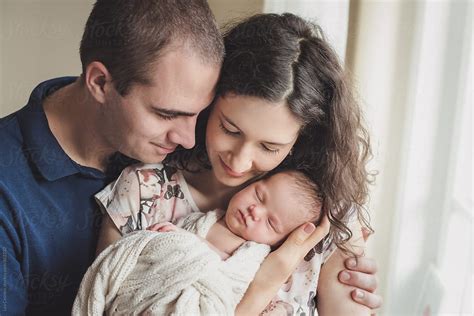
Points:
(178, 94)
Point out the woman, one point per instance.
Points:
(282, 102)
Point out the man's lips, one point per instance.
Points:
(164, 149)
(229, 171)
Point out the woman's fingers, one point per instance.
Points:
(319, 233)
(367, 282)
(371, 300)
(300, 242)
(307, 236)
(361, 264)
(280, 264)
(300, 235)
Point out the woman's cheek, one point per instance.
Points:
(269, 162)
(217, 140)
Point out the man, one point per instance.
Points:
(148, 68)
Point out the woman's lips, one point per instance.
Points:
(229, 171)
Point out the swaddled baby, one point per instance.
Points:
(266, 212)
(204, 263)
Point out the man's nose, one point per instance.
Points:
(183, 134)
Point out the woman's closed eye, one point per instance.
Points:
(231, 130)
(228, 131)
(270, 150)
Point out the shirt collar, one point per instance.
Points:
(40, 145)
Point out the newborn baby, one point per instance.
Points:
(204, 263)
(266, 212)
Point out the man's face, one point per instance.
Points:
(151, 120)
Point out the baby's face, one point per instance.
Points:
(266, 211)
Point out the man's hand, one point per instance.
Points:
(361, 273)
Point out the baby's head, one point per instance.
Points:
(268, 210)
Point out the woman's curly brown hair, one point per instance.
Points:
(283, 57)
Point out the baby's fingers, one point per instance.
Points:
(157, 227)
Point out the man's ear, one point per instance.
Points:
(97, 80)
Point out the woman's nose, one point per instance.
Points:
(242, 159)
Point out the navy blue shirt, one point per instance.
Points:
(49, 221)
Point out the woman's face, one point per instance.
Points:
(248, 136)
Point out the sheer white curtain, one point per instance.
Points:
(412, 62)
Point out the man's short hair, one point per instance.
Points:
(128, 36)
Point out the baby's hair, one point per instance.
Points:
(308, 191)
(309, 196)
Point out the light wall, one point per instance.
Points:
(38, 40)
(413, 66)
(231, 10)
(376, 66)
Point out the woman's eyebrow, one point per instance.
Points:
(230, 121)
(266, 142)
(278, 144)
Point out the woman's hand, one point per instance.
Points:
(279, 265)
(360, 273)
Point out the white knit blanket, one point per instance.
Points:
(168, 273)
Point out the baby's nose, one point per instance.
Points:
(254, 212)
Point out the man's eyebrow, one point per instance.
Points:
(173, 112)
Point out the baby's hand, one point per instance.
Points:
(163, 227)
